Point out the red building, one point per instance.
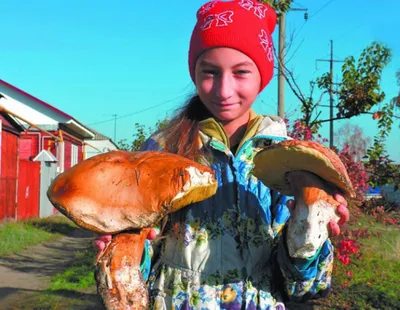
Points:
(30, 127)
(9, 142)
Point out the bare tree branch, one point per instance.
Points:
(314, 122)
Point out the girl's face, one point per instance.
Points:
(227, 82)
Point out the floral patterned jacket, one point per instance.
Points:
(229, 251)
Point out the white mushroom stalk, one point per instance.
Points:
(315, 208)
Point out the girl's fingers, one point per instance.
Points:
(101, 242)
(105, 238)
(340, 198)
(151, 235)
(343, 213)
(98, 244)
(334, 229)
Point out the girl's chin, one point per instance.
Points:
(225, 116)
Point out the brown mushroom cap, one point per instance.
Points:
(119, 190)
(273, 163)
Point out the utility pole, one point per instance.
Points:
(115, 128)
(281, 59)
(331, 99)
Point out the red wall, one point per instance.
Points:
(28, 147)
(80, 153)
(8, 174)
(67, 154)
(28, 189)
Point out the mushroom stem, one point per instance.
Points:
(315, 207)
(119, 280)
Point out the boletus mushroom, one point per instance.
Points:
(306, 170)
(125, 194)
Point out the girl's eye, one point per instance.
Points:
(210, 72)
(242, 72)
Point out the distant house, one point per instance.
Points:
(98, 144)
(34, 126)
(46, 128)
(53, 129)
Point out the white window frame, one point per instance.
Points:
(74, 155)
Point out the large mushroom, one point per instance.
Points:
(125, 194)
(304, 169)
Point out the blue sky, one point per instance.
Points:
(94, 59)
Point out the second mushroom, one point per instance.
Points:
(308, 171)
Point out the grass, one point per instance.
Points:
(372, 280)
(74, 288)
(373, 284)
(17, 236)
(78, 276)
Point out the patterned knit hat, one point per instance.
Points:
(245, 25)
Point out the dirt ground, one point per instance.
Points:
(24, 275)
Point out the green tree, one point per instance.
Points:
(358, 93)
(359, 90)
(381, 168)
(281, 6)
(140, 135)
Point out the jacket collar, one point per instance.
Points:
(258, 125)
(213, 128)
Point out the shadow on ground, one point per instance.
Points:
(48, 259)
(54, 300)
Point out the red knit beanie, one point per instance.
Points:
(245, 25)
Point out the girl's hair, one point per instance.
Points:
(181, 134)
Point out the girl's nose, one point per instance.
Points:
(225, 87)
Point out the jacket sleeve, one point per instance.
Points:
(151, 248)
(303, 278)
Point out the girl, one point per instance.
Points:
(229, 252)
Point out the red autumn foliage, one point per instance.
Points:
(345, 248)
(299, 131)
(357, 173)
(377, 115)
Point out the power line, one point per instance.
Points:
(135, 113)
(307, 18)
(298, 4)
(320, 9)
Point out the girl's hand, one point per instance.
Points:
(343, 213)
(100, 243)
